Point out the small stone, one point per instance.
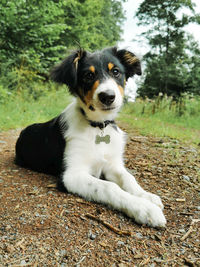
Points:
(92, 236)
(63, 252)
(120, 243)
(186, 178)
(133, 250)
(139, 235)
(158, 260)
(182, 250)
(182, 231)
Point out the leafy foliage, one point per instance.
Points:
(34, 34)
(29, 34)
(172, 65)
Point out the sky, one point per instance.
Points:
(131, 30)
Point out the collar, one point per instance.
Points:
(100, 125)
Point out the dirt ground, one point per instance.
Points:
(40, 226)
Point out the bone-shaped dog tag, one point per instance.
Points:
(105, 139)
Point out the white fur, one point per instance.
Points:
(85, 161)
(99, 114)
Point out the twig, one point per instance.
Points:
(190, 229)
(145, 261)
(82, 259)
(17, 260)
(180, 199)
(52, 185)
(186, 213)
(109, 226)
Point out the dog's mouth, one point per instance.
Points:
(108, 108)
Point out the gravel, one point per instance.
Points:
(40, 226)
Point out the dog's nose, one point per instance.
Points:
(107, 98)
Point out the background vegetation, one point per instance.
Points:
(36, 34)
(163, 116)
(172, 63)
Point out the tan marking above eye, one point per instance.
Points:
(110, 66)
(90, 93)
(130, 58)
(92, 69)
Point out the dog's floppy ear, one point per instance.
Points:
(66, 71)
(130, 61)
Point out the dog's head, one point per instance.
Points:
(98, 79)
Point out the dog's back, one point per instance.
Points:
(40, 147)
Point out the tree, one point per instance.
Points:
(94, 24)
(36, 33)
(29, 33)
(169, 60)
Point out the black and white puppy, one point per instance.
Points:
(83, 142)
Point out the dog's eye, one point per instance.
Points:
(115, 72)
(89, 76)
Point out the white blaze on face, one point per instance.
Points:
(109, 84)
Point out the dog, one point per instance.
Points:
(84, 144)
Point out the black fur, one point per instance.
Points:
(66, 72)
(130, 69)
(69, 69)
(40, 147)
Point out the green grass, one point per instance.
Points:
(163, 117)
(20, 111)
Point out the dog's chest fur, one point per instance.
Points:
(81, 149)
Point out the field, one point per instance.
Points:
(164, 117)
(160, 117)
(20, 110)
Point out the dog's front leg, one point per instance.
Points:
(91, 188)
(128, 183)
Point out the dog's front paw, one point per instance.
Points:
(154, 199)
(149, 214)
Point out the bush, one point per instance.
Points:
(4, 94)
(185, 111)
